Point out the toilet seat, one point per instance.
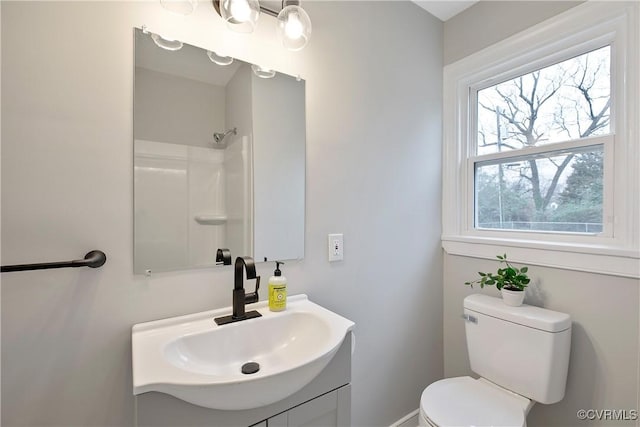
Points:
(464, 401)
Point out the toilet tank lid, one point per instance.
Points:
(526, 315)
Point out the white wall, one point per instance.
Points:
(603, 371)
(373, 73)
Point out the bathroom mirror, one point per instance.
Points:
(219, 158)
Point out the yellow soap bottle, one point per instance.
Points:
(277, 290)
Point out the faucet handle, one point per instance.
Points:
(223, 256)
(252, 297)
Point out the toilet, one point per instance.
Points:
(521, 355)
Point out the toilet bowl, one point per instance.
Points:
(522, 357)
(464, 401)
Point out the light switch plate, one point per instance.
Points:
(336, 247)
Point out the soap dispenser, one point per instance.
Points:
(277, 290)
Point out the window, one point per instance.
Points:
(541, 149)
(537, 166)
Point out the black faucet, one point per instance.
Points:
(223, 256)
(239, 296)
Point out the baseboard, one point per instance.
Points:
(409, 420)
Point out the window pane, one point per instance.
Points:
(565, 101)
(560, 191)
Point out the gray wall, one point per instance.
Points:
(373, 73)
(603, 368)
(176, 109)
(239, 227)
(279, 132)
(488, 22)
(603, 372)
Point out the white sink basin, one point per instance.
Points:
(192, 358)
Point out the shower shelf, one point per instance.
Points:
(211, 219)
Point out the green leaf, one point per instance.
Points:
(508, 276)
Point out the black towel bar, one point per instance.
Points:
(93, 259)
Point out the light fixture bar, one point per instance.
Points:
(274, 13)
(216, 6)
(268, 11)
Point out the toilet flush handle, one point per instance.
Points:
(469, 318)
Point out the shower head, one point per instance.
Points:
(220, 136)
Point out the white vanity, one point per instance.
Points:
(188, 371)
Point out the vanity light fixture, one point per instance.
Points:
(219, 59)
(263, 73)
(293, 26)
(166, 44)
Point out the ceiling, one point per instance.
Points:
(444, 10)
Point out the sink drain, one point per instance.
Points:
(250, 368)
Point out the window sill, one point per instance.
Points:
(587, 258)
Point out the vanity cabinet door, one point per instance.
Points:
(331, 409)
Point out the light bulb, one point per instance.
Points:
(167, 44)
(240, 10)
(219, 59)
(240, 15)
(263, 73)
(294, 27)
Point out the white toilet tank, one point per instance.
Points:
(523, 349)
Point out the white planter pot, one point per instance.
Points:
(512, 298)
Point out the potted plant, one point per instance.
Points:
(509, 280)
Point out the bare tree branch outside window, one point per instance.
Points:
(560, 191)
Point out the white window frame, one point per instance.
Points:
(586, 27)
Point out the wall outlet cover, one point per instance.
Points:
(335, 247)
